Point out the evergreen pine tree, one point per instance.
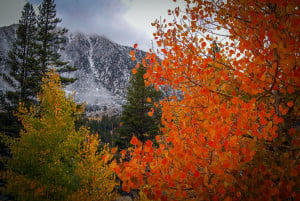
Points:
(50, 40)
(22, 60)
(135, 119)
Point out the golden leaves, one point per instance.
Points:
(55, 151)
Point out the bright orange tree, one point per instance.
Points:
(233, 133)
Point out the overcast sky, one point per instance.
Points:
(123, 21)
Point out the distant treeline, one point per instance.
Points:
(105, 127)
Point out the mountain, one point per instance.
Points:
(104, 69)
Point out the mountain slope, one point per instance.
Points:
(104, 68)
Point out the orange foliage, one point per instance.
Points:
(233, 135)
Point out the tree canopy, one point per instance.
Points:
(34, 52)
(234, 133)
(22, 75)
(141, 101)
(51, 39)
(22, 60)
(52, 160)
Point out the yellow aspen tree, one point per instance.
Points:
(52, 160)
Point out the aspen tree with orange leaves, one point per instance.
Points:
(234, 133)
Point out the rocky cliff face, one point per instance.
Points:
(7, 36)
(104, 69)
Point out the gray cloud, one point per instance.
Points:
(10, 11)
(123, 21)
(102, 17)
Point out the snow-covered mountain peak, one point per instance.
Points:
(104, 68)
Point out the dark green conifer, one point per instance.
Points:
(22, 59)
(50, 40)
(135, 119)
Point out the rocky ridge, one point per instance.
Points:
(104, 69)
